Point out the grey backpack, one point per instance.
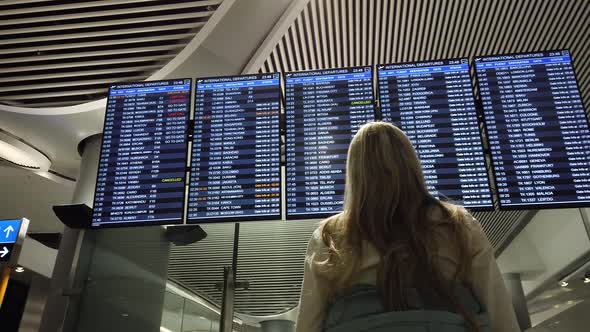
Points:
(360, 310)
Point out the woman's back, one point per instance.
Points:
(393, 234)
(484, 280)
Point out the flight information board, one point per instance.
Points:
(324, 109)
(235, 162)
(141, 171)
(432, 102)
(537, 129)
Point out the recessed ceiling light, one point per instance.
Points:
(586, 280)
(563, 283)
(19, 153)
(19, 269)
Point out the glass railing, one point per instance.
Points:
(186, 312)
(183, 315)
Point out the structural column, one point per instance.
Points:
(106, 279)
(514, 285)
(36, 299)
(66, 262)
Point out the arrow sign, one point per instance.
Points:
(11, 239)
(6, 251)
(7, 230)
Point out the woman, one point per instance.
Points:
(396, 236)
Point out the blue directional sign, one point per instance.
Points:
(9, 231)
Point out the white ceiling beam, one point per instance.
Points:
(106, 13)
(21, 2)
(337, 29)
(317, 35)
(302, 39)
(282, 62)
(309, 39)
(33, 86)
(125, 41)
(388, 35)
(78, 73)
(331, 39)
(123, 52)
(105, 23)
(349, 31)
(72, 5)
(371, 41)
(291, 64)
(357, 33)
(71, 65)
(47, 104)
(103, 33)
(62, 93)
(275, 35)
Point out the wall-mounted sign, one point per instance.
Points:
(12, 233)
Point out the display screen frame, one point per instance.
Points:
(480, 123)
(184, 192)
(319, 216)
(529, 206)
(234, 219)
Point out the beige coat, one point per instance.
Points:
(484, 279)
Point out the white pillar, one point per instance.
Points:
(66, 262)
(116, 277)
(514, 286)
(36, 300)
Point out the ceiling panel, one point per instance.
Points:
(340, 33)
(62, 53)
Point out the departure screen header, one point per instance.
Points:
(324, 109)
(537, 127)
(432, 102)
(141, 172)
(235, 162)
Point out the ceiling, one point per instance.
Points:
(334, 33)
(340, 33)
(221, 46)
(62, 70)
(61, 53)
(26, 194)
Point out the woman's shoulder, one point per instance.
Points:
(468, 225)
(316, 242)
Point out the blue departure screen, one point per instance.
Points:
(432, 102)
(141, 172)
(537, 129)
(235, 163)
(324, 109)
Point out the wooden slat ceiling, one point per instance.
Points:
(340, 33)
(61, 53)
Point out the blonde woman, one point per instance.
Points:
(396, 256)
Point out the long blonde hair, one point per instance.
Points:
(387, 204)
